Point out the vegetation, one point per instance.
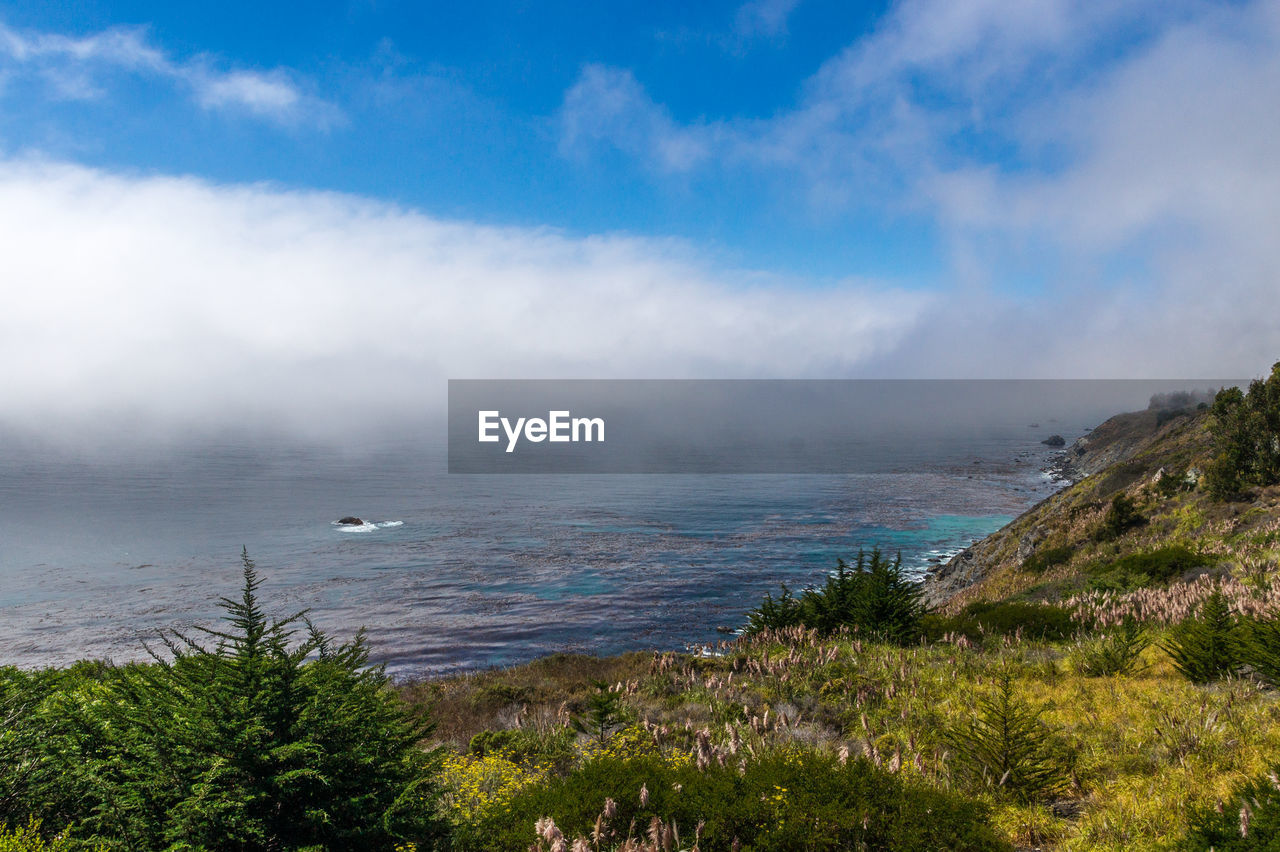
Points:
(1114, 653)
(790, 798)
(1045, 558)
(1140, 570)
(1122, 516)
(873, 599)
(1006, 746)
(1207, 648)
(1005, 618)
(1246, 431)
(1248, 822)
(257, 742)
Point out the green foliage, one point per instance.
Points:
(786, 800)
(1116, 653)
(1139, 570)
(1261, 648)
(1046, 558)
(1006, 747)
(1246, 433)
(1173, 482)
(1207, 648)
(256, 743)
(522, 745)
(873, 597)
(604, 714)
(775, 614)
(1248, 822)
(1121, 516)
(27, 838)
(1005, 618)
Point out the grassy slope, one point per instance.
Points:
(1239, 537)
(1141, 749)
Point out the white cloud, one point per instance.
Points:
(607, 104)
(172, 306)
(1106, 168)
(81, 68)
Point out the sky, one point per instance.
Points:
(306, 217)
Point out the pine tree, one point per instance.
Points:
(1246, 432)
(1207, 648)
(1261, 649)
(258, 742)
(604, 714)
(1006, 746)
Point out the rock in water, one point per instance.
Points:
(1054, 441)
(351, 521)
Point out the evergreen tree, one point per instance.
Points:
(1246, 432)
(604, 714)
(1207, 648)
(873, 596)
(1261, 649)
(1006, 746)
(256, 743)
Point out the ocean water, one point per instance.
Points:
(456, 572)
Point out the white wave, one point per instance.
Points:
(367, 526)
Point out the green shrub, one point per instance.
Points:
(1209, 647)
(873, 597)
(1046, 558)
(1006, 747)
(1248, 822)
(28, 838)
(1115, 653)
(1005, 618)
(522, 745)
(1139, 570)
(1173, 482)
(787, 800)
(1121, 516)
(259, 742)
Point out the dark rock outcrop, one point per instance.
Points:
(351, 521)
(1054, 441)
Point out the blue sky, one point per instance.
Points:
(775, 187)
(457, 108)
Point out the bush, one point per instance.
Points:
(255, 743)
(1113, 654)
(1042, 560)
(788, 800)
(1139, 570)
(1006, 618)
(1005, 747)
(1207, 648)
(1121, 516)
(873, 597)
(522, 745)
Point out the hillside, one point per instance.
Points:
(1059, 551)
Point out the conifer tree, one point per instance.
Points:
(257, 742)
(1207, 648)
(1006, 746)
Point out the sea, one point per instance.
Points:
(449, 573)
